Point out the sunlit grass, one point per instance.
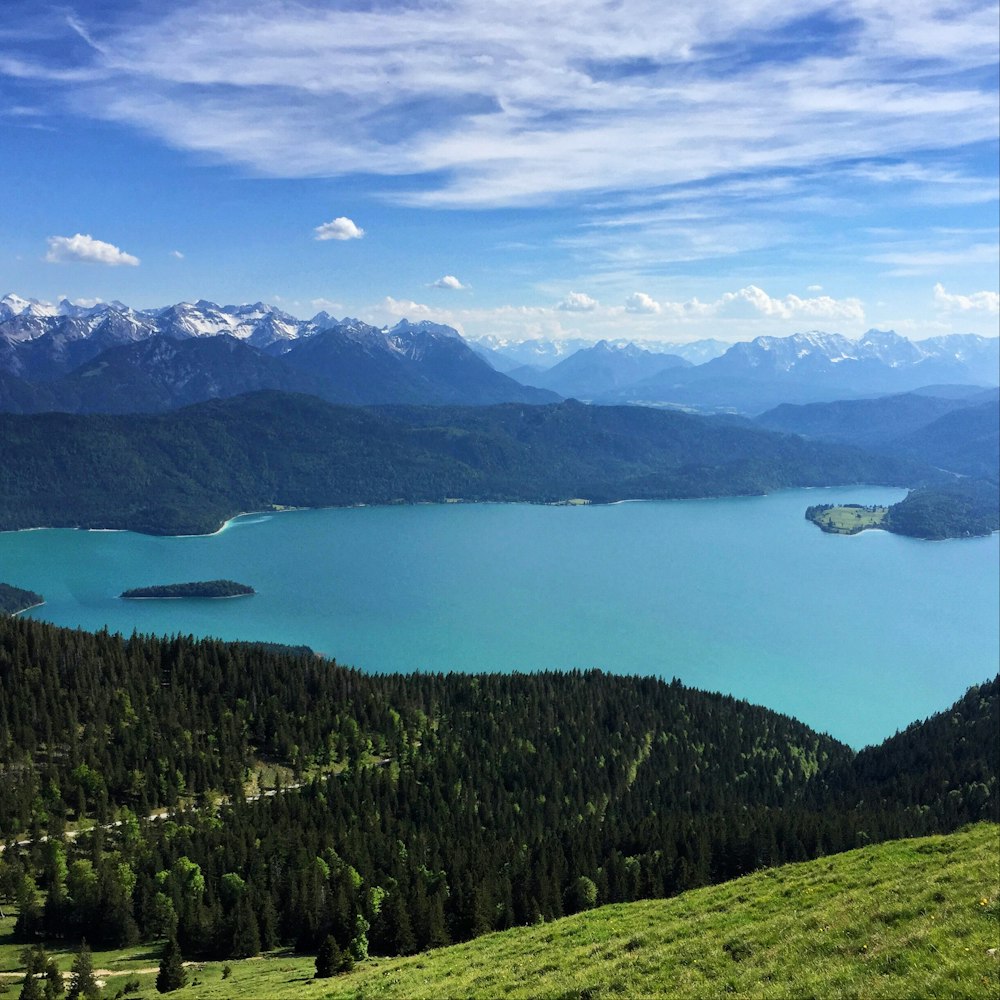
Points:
(913, 918)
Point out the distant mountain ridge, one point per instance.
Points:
(111, 358)
(757, 375)
(186, 471)
(961, 435)
(593, 372)
(349, 361)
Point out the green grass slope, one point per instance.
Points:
(911, 918)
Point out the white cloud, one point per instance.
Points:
(340, 228)
(793, 307)
(65, 249)
(984, 301)
(177, 254)
(520, 102)
(578, 302)
(814, 288)
(640, 302)
(407, 308)
(450, 282)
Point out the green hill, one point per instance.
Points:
(908, 918)
(186, 471)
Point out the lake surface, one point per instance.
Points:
(855, 635)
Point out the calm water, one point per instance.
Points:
(856, 635)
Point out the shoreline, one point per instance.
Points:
(452, 502)
(29, 607)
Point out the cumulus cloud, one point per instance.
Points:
(450, 282)
(578, 302)
(67, 249)
(984, 301)
(640, 302)
(794, 307)
(340, 228)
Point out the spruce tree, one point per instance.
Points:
(54, 986)
(83, 983)
(328, 959)
(32, 987)
(171, 975)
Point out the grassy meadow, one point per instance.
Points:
(913, 918)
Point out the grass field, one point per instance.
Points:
(913, 918)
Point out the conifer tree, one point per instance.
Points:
(171, 975)
(34, 964)
(328, 959)
(83, 983)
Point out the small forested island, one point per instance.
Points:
(14, 600)
(967, 508)
(203, 588)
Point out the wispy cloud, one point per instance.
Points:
(67, 249)
(520, 103)
(340, 228)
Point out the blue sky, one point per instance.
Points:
(631, 168)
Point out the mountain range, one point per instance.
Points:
(755, 376)
(112, 358)
(599, 369)
(539, 354)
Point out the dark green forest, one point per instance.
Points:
(201, 588)
(15, 599)
(428, 808)
(186, 471)
(964, 508)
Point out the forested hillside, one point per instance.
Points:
(434, 807)
(185, 472)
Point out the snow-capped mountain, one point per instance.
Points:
(95, 357)
(43, 344)
(816, 366)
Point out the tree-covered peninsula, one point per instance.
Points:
(15, 599)
(203, 588)
(187, 471)
(965, 508)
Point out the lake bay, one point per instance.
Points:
(855, 635)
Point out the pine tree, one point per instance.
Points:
(32, 987)
(171, 975)
(83, 983)
(328, 959)
(53, 981)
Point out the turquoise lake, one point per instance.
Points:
(857, 636)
